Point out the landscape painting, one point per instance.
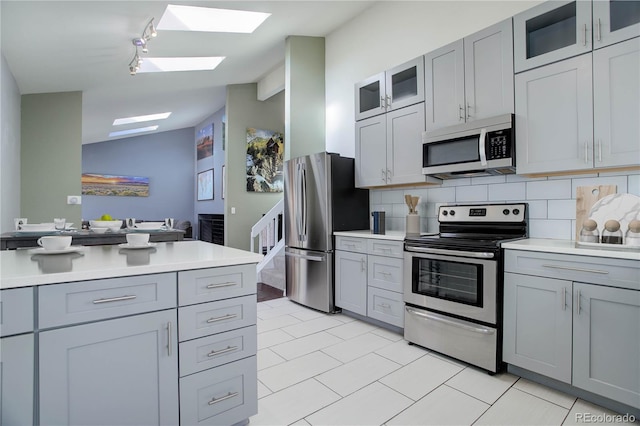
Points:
(204, 142)
(114, 185)
(265, 155)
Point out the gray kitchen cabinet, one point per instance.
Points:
(121, 371)
(351, 281)
(16, 380)
(551, 32)
(537, 334)
(554, 117)
(615, 21)
(575, 319)
(389, 148)
(396, 88)
(616, 98)
(606, 342)
(16, 311)
(471, 78)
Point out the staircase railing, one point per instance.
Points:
(269, 233)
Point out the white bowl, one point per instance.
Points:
(105, 223)
(99, 230)
(114, 228)
(36, 227)
(149, 225)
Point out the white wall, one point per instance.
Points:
(388, 34)
(10, 147)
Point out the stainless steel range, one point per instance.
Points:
(453, 282)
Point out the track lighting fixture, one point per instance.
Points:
(148, 33)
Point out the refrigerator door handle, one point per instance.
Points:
(298, 196)
(304, 202)
(306, 257)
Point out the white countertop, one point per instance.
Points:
(388, 235)
(571, 247)
(25, 267)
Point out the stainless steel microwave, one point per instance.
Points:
(477, 148)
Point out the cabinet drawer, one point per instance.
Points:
(16, 311)
(220, 396)
(358, 245)
(212, 351)
(596, 270)
(71, 303)
(385, 273)
(385, 306)
(216, 317)
(207, 285)
(385, 247)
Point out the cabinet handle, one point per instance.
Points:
(569, 268)
(468, 108)
(384, 176)
(382, 102)
(598, 31)
(227, 284)
(384, 305)
(362, 265)
(564, 298)
(388, 176)
(223, 398)
(578, 307)
(222, 351)
(114, 299)
(600, 150)
(388, 102)
(222, 318)
(586, 152)
(584, 35)
(460, 113)
(385, 273)
(169, 338)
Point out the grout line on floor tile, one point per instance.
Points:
(546, 400)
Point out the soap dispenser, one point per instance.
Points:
(589, 232)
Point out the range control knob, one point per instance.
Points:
(444, 212)
(516, 211)
(505, 212)
(452, 212)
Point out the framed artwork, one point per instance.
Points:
(204, 142)
(224, 179)
(114, 185)
(205, 185)
(265, 155)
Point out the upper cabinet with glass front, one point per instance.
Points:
(614, 21)
(550, 32)
(556, 30)
(387, 91)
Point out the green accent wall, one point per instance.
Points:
(305, 96)
(244, 110)
(51, 156)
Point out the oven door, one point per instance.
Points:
(456, 285)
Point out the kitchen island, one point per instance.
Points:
(159, 335)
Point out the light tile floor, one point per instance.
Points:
(318, 369)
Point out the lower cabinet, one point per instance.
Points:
(583, 334)
(16, 380)
(118, 372)
(367, 283)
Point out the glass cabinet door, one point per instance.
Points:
(405, 84)
(370, 97)
(551, 32)
(614, 21)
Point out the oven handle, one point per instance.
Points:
(480, 330)
(480, 255)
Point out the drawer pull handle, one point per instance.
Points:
(569, 268)
(385, 273)
(226, 317)
(222, 351)
(385, 305)
(223, 398)
(114, 299)
(227, 284)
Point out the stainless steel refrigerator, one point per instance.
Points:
(320, 198)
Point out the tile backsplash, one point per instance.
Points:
(552, 200)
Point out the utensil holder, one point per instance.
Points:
(413, 224)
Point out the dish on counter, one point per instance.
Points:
(136, 247)
(105, 223)
(42, 250)
(37, 227)
(99, 230)
(150, 225)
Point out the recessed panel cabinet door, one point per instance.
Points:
(616, 87)
(16, 380)
(351, 281)
(554, 117)
(116, 372)
(444, 86)
(615, 21)
(371, 152)
(404, 144)
(606, 342)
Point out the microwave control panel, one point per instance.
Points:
(498, 144)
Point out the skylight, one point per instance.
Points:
(206, 63)
(141, 118)
(133, 131)
(191, 18)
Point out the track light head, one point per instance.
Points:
(152, 29)
(132, 70)
(141, 42)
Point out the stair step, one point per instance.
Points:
(273, 277)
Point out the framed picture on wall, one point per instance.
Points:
(204, 144)
(205, 185)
